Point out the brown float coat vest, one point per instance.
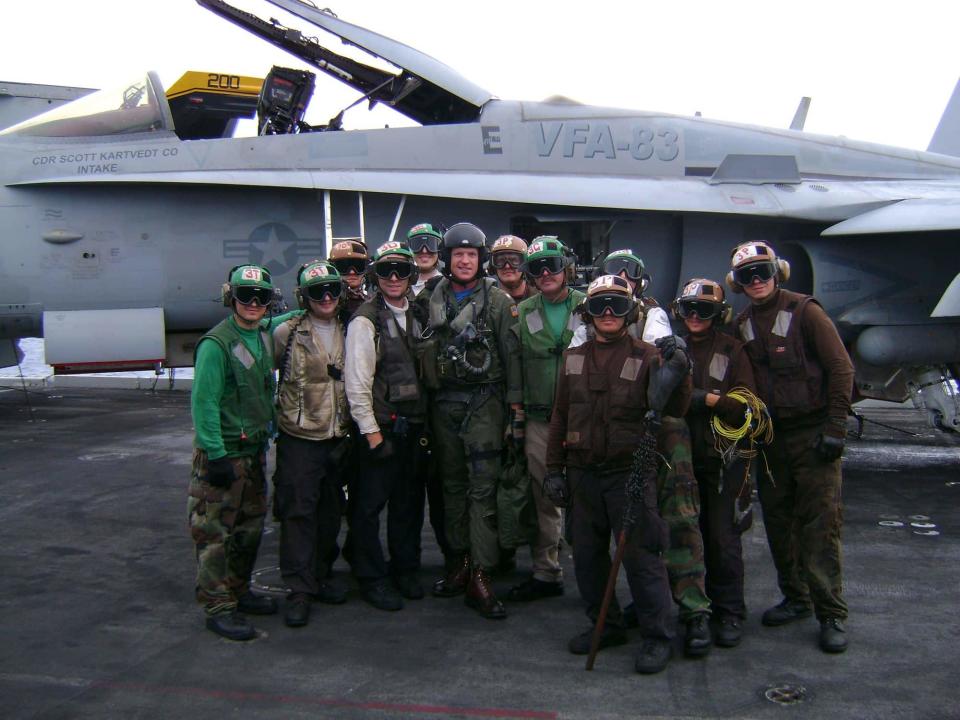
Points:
(790, 380)
(720, 364)
(599, 411)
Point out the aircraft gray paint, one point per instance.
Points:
(128, 236)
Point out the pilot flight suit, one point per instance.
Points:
(471, 361)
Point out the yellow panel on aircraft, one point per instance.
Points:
(210, 82)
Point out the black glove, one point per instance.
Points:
(556, 489)
(669, 344)
(829, 444)
(220, 473)
(383, 451)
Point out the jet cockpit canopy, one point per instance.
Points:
(134, 107)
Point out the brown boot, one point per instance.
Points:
(456, 579)
(481, 598)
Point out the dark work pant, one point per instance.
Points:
(721, 529)
(309, 507)
(597, 510)
(394, 483)
(434, 483)
(803, 514)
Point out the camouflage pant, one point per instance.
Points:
(803, 514)
(468, 437)
(679, 499)
(226, 525)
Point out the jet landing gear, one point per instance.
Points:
(934, 389)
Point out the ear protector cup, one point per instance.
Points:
(732, 284)
(225, 293)
(783, 268)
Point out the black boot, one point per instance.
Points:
(231, 626)
(786, 612)
(833, 635)
(297, 613)
(653, 656)
(697, 641)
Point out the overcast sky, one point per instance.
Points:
(877, 71)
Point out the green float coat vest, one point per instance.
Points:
(246, 410)
(541, 352)
(396, 384)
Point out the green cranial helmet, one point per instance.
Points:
(546, 254)
(393, 248)
(247, 284)
(623, 260)
(317, 272)
(545, 246)
(251, 276)
(315, 280)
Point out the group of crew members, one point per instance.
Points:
(441, 366)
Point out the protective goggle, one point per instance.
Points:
(420, 243)
(345, 266)
(552, 265)
(761, 271)
(320, 291)
(385, 269)
(632, 268)
(249, 294)
(501, 260)
(701, 308)
(619, 305)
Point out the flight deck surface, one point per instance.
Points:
(98, 619)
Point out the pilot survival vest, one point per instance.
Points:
(396, 385)
(448, 321)
(541, 352)
(246, 408)
(312, 401)
(789, 381)
(605, 414)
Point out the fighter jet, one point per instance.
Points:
(121, 218)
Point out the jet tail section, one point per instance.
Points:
(946, 138)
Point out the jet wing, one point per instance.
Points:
(913, 215)
(665, 194)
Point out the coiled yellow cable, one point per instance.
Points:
(756, 427)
